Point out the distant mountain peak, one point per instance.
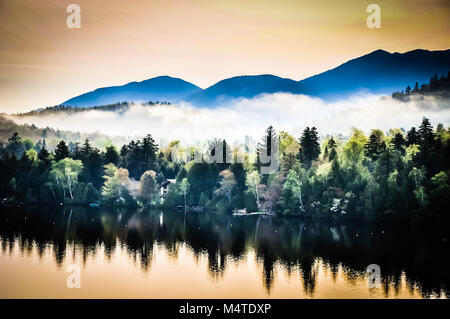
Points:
(160, 88)
(243, 86)
(378, 52)
(378, 72)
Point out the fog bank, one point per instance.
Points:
(241, 117)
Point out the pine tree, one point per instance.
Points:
(412, 137)
(408, 90)
(426, 133)
(61, 151)
(310, 148)
(331, 146)
(264, 150)
(44, 159)
(265, 147)
(149, 150)
(86, 149)
(399, 142)
(375, 146)
(111, 155)
(427, 145)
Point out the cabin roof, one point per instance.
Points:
(167, 182)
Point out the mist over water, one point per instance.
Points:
(250, 117)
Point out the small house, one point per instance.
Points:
(164, 187)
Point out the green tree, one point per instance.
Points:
(354, 148)
(330, 149)
(184, 188)
(375, 146)
(252, 181)
(426, 132)
(90, 194)
(115, 190)
(15, 145)
(147, 186)
(440, 192)
(310, 148)
(412, 137)
(264, 150)
(44, 160)
(65, 173)
(227, 184)
(399, 142)
(294, 184)
(418, 176)
(111, 155)
(61, 151)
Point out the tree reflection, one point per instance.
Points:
(294, 245)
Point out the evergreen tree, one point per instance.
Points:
(426, 133)
(44, 160)
(61, 151)
(15, 145)
(412, 137)
(408, 90)
(111, 155)
(331, 147)
(310, 148)
(86, 149)
(93, 168)
(399, 142)
(239, 190)
(139, 157)
(264, 149)
(427, 146)
(149, 149)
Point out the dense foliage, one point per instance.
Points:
(438, 86)
(381, 176)
(48, 136)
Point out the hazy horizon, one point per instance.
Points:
(250, 117)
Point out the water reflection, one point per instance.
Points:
(408, 255)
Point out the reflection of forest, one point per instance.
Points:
(294, 244)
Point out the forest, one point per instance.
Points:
(438, 87)
(384, 176)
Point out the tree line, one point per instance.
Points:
(386, 175)
(439, 86)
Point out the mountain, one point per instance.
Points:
(161, 88)
(379, 72)
(246, 86)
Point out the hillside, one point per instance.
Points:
(378, 72)
(161, 88)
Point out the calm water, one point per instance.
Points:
(155, 254)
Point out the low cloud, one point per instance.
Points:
(241, 117)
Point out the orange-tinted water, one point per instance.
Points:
(162, 255)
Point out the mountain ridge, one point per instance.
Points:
(378, 72)
(161, 88)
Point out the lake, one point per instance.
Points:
(125, 253)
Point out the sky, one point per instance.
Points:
(43, 62)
